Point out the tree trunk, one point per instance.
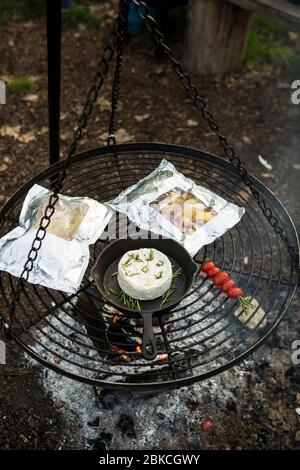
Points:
(217, 36)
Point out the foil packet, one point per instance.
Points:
(169, 204)
(76, 223)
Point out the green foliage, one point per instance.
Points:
(269, 45)
(22, 84)
(36, 8)
(24, 8)
(269, 53)
(4, 17)
(268, 27)
(81, 14)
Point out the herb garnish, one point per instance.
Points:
(129, 302)
(160, 263)
(158, 275)
(167, 297)
(145, 269)
(137, 258)
(132, 257)
(109, 290)
(129, 260)
(177, 273)
(246, 304)
(151, 255)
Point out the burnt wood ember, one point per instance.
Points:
(112, 338)
(126, 425)
(102, 442)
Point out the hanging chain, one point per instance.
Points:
(102, 70)
(144, 13)
(116, 44)
(122, 28)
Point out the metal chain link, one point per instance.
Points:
(144, 13)
(98, 80)
(122, 28)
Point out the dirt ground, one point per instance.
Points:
(254, 109)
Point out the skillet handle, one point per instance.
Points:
(149, 345)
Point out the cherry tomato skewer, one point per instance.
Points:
(235, 293)
(212, 272)
(207, 265)
(226, 285)
(219, 278)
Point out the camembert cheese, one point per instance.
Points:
(145, 274)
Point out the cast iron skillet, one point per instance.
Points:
(107, 264)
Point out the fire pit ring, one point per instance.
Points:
(83, 338)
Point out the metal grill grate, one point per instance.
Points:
(85, 339)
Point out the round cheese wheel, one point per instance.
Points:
(145, 274)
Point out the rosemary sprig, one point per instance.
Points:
(158, 275)
(132, 257)
(129, 302)
(129, 260)
(245, 303)
(109, 290)
(160, 263)
(167, 297)
(130, 274)
(137, 258)
(151, 255)
(177, 273)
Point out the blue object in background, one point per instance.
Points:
(135, 23)
(67, 3)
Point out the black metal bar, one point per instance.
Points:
(54, 76)
(168, 349)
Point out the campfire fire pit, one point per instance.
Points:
(85, 338)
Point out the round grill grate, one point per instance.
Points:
(82, 337)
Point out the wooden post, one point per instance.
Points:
(216, 37)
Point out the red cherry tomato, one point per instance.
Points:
(219, 278)
(212, 272)
(207, 265)
(206, 425)
(225, 286)
(235, 292)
